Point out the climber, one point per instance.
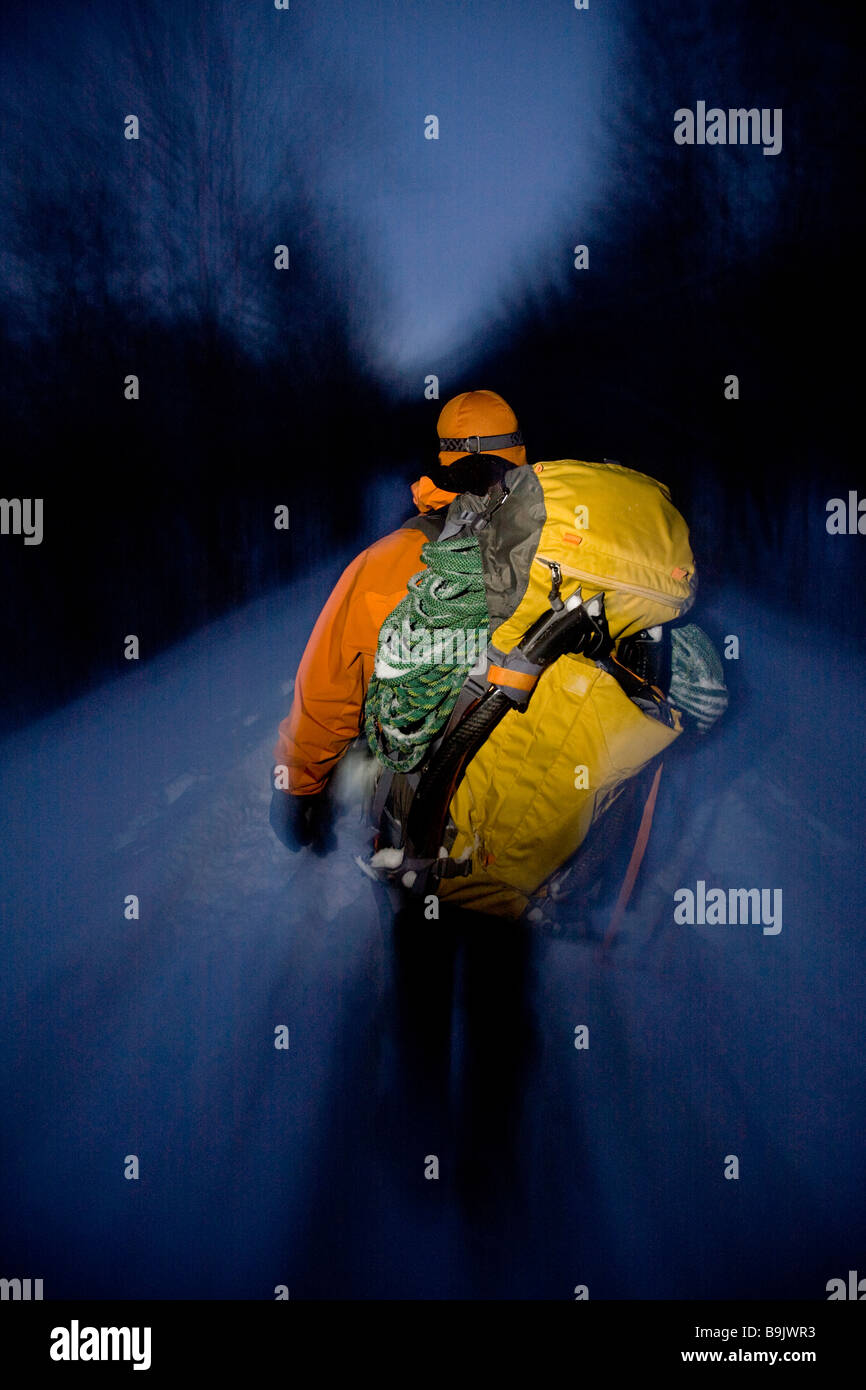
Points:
(570, 579)
(478, 437)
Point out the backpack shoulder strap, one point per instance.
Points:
(430, 523)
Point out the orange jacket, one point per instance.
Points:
(335, 670)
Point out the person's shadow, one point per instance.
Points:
(462, 1041)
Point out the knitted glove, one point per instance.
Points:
(697, 679)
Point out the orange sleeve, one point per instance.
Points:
(338, 660)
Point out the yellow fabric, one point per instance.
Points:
(633, 540)
(522, 808)
(518, 808)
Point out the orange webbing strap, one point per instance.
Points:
(519, 680)
(636, 860)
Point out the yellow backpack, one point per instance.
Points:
(550, 767)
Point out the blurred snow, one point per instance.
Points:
(155, 1036)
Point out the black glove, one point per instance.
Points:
(303, 820)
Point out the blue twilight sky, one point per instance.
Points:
(306, 127)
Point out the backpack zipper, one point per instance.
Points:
(604, 581)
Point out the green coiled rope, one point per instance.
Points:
(427, 644)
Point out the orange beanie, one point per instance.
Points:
(479, 422)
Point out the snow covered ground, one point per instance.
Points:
(262, 1166)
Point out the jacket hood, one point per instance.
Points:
(428, 497)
